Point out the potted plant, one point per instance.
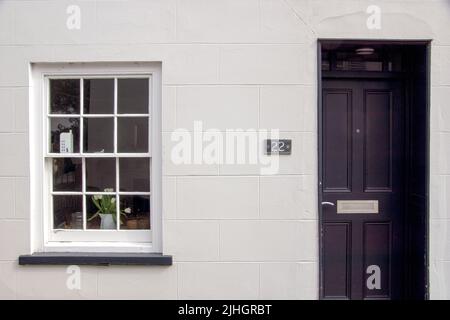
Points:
(106, 210)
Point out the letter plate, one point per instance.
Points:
(357, 206)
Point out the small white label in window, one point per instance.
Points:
(66, 142)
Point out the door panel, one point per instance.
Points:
(363, 159)
(337, 255)
(337, 142)
(377, 252)
(378, 140)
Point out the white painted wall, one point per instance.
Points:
(231, 64)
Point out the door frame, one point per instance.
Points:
(427, 44)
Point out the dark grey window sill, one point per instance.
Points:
(79, 258)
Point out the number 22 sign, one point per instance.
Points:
(275, 146)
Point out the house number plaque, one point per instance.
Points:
(278, 146)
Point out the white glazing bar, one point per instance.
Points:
(92, 193)
(63, 115)
(99, 115)
(133, 115)
(115, 115)
(115, 152)
(97, 155)
(117, 194)
(62, 193)
(83, 188)
(138, 193)
(81, 115)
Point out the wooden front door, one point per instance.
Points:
(362, 189)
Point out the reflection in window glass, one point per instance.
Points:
(132, 96)
(65, 135)
(67, 174)
(134, 174)
(100, 174)
(132, 134)
(67, 212)
(99, 135)
(98, 96)
(135, 211)
(65, 96)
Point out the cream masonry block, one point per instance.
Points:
(281, 23)
(268, 240)
(7, 197)
(15, 60)
(173, 165)
(169, 196)
(136, 21)
(217, 107)
(436, 65)
(288, 108)
(289, 280)
(444, 65)
(263, 64)
(439, 240)
(439, 280)
(14, 239)
(14, 159)
(22, 198)
(51, 282)
(195, 240)
(287, 197)
(310, 107)
(21, 106)
(438, 193)
(435, 152)
(7, 280)
(218, 281)
(169, 108)
(217, 197)
(6, 22)
(443, 148)
(46, 22)
(440, 114)
(6, 110)
(217, 21)
(190, 64)
(137, 282)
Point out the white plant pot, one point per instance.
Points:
(107, 222)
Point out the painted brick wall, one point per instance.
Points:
(231, 64)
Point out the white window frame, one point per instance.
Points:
(43, 237)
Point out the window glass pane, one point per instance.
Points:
(132, 95)
(98, 96)
(67, 212)
(65, 135)
(99, 135)
(67, 174)
(101, 212)
(65, 96)
(350, 61)
(134, 174)
(132, 134)
(100, 174)
(135, 211)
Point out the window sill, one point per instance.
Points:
(89, 258)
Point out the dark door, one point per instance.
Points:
(362, 189)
